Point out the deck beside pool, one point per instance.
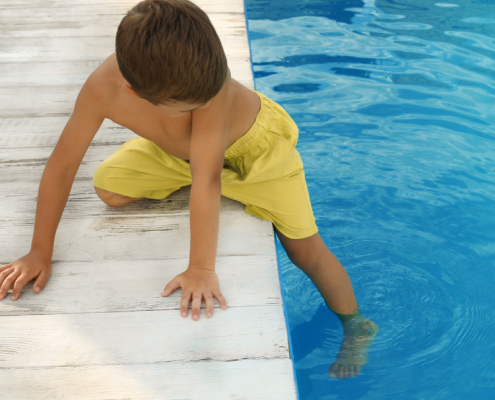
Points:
(100, 329)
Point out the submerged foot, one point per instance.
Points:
(359, 334)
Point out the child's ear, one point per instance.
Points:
(130, 90)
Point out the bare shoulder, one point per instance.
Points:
(91, 108)
(100, 87)
(235, 107)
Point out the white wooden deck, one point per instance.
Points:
(100, 329)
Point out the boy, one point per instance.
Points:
(169, 82)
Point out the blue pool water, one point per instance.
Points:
(395, 102)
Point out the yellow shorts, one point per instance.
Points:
(262, 170)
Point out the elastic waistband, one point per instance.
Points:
(254, 134)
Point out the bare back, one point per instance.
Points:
(172, 134)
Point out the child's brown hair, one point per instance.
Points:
(168, 51)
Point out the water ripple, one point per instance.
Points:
(394, 103)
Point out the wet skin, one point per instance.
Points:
(314, 258)
(353, 353)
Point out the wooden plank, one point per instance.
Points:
(132, 238)
(228, 26)
(17, 9)
(37, 100)
(206, 380)
(19, 202)
(46, 97)
(87, 48)
(75, 72)
(142, 337)
(27, 164)
(45, 131)
(125, 285)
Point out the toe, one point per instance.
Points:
(332, 371)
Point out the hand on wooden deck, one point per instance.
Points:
(198, 283)
(16, 274)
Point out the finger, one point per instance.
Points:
(209, 306)
(3, 276)
(184, 304)
(6, 272)
(3, 267)
(7, 283)
(196, 305)
(41, 281)
(332, 371)
(220, 299)
(171, 286)
(18, 285)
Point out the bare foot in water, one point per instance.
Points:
(359, 334)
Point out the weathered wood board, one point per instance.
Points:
(130, 285)
(142, 337)
(45, 131)
(142, 237)
(264, 379)
(74, 7)
(19, 202)
(229, 26)
(75, 72)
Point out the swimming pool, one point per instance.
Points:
(395, 102)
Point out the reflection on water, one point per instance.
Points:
(276, 10)
(395, 104)
(443, 22)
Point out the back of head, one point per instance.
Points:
(168, 50)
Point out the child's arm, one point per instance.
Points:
(207, 151)
(54, 190)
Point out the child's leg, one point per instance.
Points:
(313, 257)
(137, 170)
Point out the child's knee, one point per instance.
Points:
(304, 259)
(106, 196)
(112, 199)
(304, 253)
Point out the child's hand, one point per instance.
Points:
(21, 271)
(199, 283)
